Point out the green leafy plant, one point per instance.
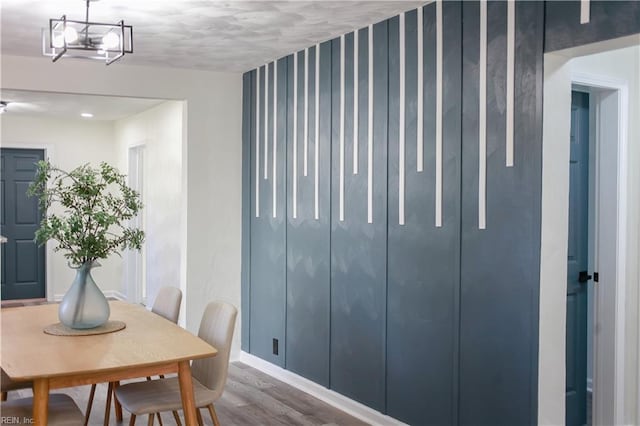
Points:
(86, 211)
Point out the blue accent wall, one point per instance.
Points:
(358, 249)
(424, 261)
(500, 264)
(268, 248)
(608, 19)
(308, 239)
(431, 325)
(248, 126)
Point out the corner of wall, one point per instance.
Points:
(554, 226)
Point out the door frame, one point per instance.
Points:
(49, 152)
(554, 232)
(602, 127)
(135, 260)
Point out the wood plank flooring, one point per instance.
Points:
(250, 398)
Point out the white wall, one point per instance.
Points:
(620, 65)
(555, 222)
(211, 182)
(159, 129)
(69, 144)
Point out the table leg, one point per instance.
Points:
(116, 403)
(186, 393)
(107, 406)
(40, 401)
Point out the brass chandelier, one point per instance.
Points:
(87, 40)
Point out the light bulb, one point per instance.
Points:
(111, 40)
(58, 40)
(70, 34)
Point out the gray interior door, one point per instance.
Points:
(23, 262)
(577, 262)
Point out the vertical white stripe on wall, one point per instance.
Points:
(401, 119)
(439, 66)
(585, 11)
(370, 132)
(306, 109)
(275, 134)
(341, 204)
(258, 142)
(317, 138)
(482, 119)
(295, 135)
(266, 121)
(420, 114)
(511, 52)
(355, 102)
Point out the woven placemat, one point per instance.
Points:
(60, 329)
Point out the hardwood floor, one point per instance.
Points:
(250, 398)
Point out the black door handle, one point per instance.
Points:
(583, 277)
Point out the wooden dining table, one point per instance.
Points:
(149, 345)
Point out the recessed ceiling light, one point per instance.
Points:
(86, 115)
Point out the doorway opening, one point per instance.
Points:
(137, 259)
(53, 122)
(607, 242)
(612, 226)
(579, 326)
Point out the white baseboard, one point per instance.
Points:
(108, 294)
(590, 385)
(341, 402)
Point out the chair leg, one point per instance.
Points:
(132, 420)
(3, 396)
(116, 403)
(214, 416)
(151, 417)
(199, 416)
(107, 406)
(177, 417)
(89, 404)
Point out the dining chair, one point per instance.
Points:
(8, 385)
(167, 305)
(63, 411)
(209, 375)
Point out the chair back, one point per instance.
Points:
(167, 303)
(216, 328)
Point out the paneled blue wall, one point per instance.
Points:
(607, 20)
(394, 285)
(268, 237)
(308, 239)
(500, 264)
(424, 260)
(358, 248)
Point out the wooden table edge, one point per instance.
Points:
(43, 385)
(160, 367)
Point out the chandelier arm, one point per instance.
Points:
(64, 39)
(86, 19)
(121, 54)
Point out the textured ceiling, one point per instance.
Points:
(208, 35)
